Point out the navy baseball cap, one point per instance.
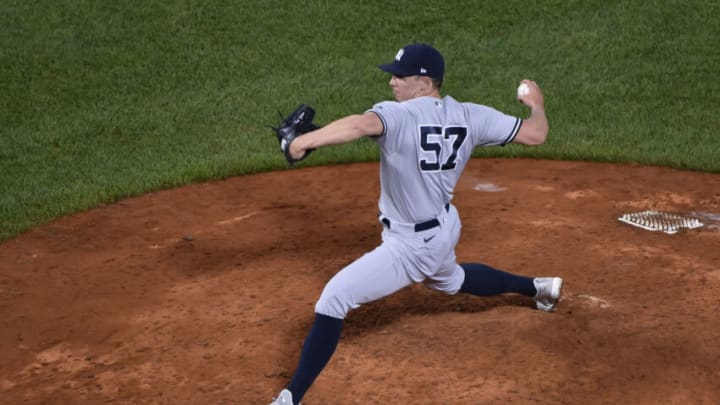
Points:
(417, 60)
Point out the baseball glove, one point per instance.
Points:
(298, 123)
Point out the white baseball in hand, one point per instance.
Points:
(523, 89)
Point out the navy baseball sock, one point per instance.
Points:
(319, 346)
(484, 280)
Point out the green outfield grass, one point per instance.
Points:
(101, 100)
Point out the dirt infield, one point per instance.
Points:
(203, 295)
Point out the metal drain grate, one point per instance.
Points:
(660, 221)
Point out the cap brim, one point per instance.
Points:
(394, 69)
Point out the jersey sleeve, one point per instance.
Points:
(490, 127)
(390, 113)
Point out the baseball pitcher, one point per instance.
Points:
(426, 141)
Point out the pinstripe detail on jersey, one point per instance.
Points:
(514, 132)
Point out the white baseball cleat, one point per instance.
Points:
(283, 398)
(548, 292)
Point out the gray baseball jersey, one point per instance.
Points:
(425, 145)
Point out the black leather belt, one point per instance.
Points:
(422, 226)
